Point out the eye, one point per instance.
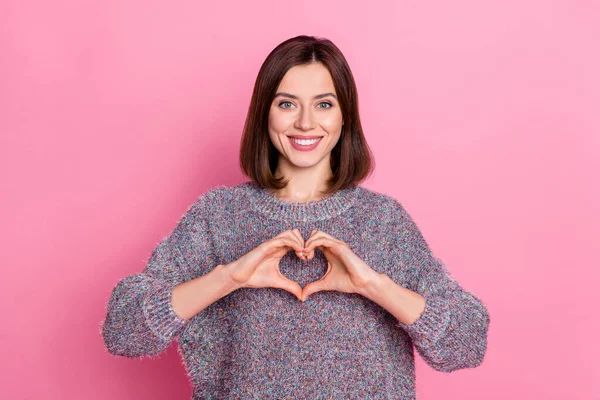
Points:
(325, 102)
(284, 102)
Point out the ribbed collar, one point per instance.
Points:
(266, 202)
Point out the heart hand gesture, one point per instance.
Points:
(346, 272)
(259, 268)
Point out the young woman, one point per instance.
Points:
(299, 282)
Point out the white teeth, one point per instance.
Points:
(306, 142)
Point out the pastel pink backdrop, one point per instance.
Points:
(483, 117)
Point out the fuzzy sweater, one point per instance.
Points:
(265, 343)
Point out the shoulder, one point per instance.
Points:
(219, 199)
(385, 206)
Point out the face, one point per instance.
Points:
(305, 119)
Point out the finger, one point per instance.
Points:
(293, 234)
(319, 231)
(317, 234)
(312, 288)
(290, 234)
(286, 242)
(289, 285)
(321, 241)
(296, 233)
(326, 244)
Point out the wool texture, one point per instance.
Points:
(265, 343)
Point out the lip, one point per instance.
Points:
(300, 147)
(305, 137)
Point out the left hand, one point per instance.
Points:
(346, 272)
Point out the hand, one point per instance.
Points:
(259, 268)
(346, 272)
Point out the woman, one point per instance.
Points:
(299, 282)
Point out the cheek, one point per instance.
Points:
(279, 122)
(331, 122)
(276, 127)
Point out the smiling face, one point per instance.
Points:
(305, 107)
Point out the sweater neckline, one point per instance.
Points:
(326, 207)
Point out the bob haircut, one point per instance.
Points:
(351, 158)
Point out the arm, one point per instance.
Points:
(447, 324)
(404, 304)
(148, 311)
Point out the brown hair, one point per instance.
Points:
(351, 158)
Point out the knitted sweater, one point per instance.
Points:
(265, 343)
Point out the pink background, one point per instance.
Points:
(483, 118)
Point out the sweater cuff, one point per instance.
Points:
(433, 322)
(159, 314)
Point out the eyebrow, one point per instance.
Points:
(319, 96)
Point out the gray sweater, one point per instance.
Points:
(265, 343)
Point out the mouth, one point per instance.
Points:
(305, 143)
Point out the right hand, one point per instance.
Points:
(259, 268)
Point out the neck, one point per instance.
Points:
(326, 207)
(304, 184)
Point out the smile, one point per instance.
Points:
(304, 144)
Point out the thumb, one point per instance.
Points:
(312, 288)
(287, 284)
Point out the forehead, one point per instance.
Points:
(307, 80)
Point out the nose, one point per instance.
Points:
(305, 120)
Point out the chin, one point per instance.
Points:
(303, 163)
(306, 161)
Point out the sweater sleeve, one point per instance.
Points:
(451, 333)
(140, 320)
